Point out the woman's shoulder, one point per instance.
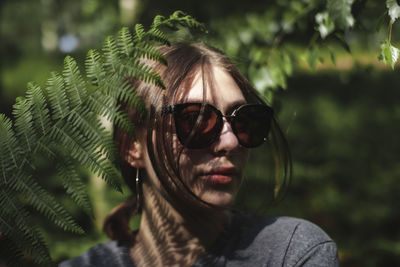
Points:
(111, 253)
(282, 241)
(287, 229)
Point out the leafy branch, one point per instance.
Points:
(263, 38)
(390, 53)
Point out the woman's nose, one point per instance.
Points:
(227, 140)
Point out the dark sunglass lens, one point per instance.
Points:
(252, 124)
(185, 119)
(196, 127)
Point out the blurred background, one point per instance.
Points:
(336, 102)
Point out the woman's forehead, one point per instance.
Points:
(220, 89)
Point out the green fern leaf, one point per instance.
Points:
(84, 152)
(129, 97)
(180, 17)
(94, 67)
(40, 111)
(57, 97)
(125, 42)
(107, 107)
(62, 124)
(74, 185)
(139, 32)
(24, 125)
(148, 51)
(158, 21)
(43, 202)
(93, 130)
(111, 55)
(74, 83)
(140, 70)
(10, 152)
(16, 223)
(156, 34)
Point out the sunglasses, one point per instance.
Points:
(199, 125)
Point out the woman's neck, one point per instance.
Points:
(170, 238)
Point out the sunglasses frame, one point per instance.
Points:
(173, 109)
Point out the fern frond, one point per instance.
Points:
(130, 98)
(10, 152)
(157, 35)
(84, 152)
(140, 70)
(148, 51)
(138, 33)
(107, 107)
(40, 111)
(74, 185)
(111, 55)
(94, 67)
(24, 124)
(125, 41)
(180, 17)
(74, 83)
(57, 97)
(114, 89)
(91, 126)
(16, 223)
(61, 124)
(157, 21)
(43, 202)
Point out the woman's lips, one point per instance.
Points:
(219, 176)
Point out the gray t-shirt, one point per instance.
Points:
(249, 241)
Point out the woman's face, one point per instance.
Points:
(215, 173)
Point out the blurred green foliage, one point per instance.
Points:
(341, 120)
(342, 128)
(342, 131)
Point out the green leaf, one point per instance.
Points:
(94, 67)
(10, 151)
(332, 56)
(23, 124)
(139, 32)
(111, 56)
(313, 56)
(389, 54)
(148, 51)
(74, 185)
(58, 100)
(125, 42)
(40, 111)
(393, 9)
(325, 24)
(157, 35)
(74, 84)
(262, 78)
(380, 21)
(343, 42)
(45, 203)
(16, 223)
(340, 12)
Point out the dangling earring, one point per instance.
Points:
(138, 197)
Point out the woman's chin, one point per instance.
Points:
(219, 198)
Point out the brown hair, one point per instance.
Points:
(184, 62)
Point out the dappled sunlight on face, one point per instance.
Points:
(214, 174)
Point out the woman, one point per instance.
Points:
(185, 168)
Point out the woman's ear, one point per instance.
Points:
(135, 155)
